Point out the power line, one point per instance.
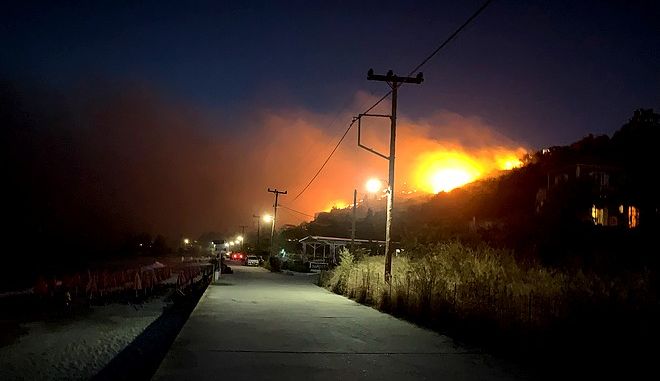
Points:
(328, 127)
(451, 37)
(412, 72)
(337, 146)
(296, 211)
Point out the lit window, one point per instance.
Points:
(633, 217)
(599, 215)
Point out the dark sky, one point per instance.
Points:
(539, 73)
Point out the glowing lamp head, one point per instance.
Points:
(267, 218)
(373, 185)
(239, 238)
(186, 241)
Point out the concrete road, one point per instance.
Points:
(256, 325)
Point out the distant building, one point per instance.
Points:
(328, 248)
(604, 203)
(218, 247)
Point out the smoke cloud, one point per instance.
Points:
(97, 165)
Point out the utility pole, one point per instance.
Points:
(272, 228)
(394, 82)
(242, 235)
(353, 223)
(258, 229)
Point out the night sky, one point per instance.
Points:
(175, 118)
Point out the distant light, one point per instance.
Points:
(186, 241)
(239, 238)
(267, 218)
(227, 244)
(373, 185)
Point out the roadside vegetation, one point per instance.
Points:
(484, 296)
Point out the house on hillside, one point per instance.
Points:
(608, 182)
(600, 191)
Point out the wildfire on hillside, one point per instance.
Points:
(435, 155)
(442, 171)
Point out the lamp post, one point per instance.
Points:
(258, 246)
(373, 185)
(267, 218)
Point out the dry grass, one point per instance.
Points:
(452, 286)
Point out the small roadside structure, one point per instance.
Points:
(326, 249)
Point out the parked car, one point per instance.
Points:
(238, 257)
(252, 260)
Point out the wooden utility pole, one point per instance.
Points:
(272, 228)
(394, 82)
(258, 231)
(243, 235)
(353, 223)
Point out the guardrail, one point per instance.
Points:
(132, 282)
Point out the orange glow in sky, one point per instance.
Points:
(435, 154)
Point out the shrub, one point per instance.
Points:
(340, 275)
(298, 266)
(274, 264)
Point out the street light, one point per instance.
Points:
(270, 220)
(186, 241)
(373, 185)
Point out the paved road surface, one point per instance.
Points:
(257, 325)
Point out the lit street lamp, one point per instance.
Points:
(269, 219)
(373, 185)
